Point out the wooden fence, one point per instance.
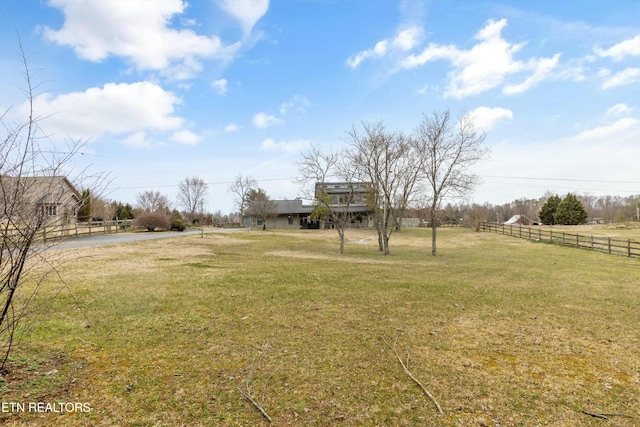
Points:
(630, 248)
(86, 228)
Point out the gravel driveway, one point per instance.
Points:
(113, 239)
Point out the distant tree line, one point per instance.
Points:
(153, 210)
(598, 209)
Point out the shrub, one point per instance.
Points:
(152, 220)
(177, 224)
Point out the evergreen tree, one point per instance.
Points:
(571, 211)
(123, 211)
(548, 210)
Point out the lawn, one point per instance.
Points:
(177, 332)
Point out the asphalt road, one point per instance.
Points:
(114, 239)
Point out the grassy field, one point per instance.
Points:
(176, 332)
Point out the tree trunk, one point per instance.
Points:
(433, 237)
(378, 221)
(341, 234)
(386, 244)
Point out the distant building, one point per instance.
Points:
(54, 196)
(294, 214)
(520, 220)
(288, 214)
(347, 197)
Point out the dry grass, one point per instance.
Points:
(501, 331)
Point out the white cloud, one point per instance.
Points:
(297, 103)
(542, 68)
(264, 120)
(285, 146)
(220, 86)
(185, 137)
(624, 77)
(231, 127)
(407, 39)
(431, 53)
(607, 133)
(619, 110)
(485, 118)
(138, 140)
(404, 40)
(380, 49)
(112, 109)
(621, 50)
(423, 90)
(138, 31)
(485, 65)
(248, 12)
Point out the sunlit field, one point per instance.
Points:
(183, 331)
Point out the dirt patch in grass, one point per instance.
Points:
(313, 256)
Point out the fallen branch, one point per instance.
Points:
(247, 395)
(246, 392)
(594, 415)
(605, 416)
(406, 370)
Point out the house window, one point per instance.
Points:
(290, 220)
(51, 210)
(259, 221)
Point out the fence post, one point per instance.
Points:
(609, 243)
(551, 236)
(563, 237)
(592, 241)
(577, 240)
(629, 246)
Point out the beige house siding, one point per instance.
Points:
(53, 196)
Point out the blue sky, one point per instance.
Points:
(167, 89)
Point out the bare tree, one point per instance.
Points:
(102, 209)
(260, 206)
(36, 197)
(152, 201)
(447, 150)
(192, 194)
(389, 168)
(240, 187)
(316, 170)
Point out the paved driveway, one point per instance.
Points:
(113, 239)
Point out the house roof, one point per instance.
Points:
(41, 189)
(518, 219)
(291, 207)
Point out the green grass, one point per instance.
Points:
(500, 330)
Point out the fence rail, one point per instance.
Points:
(630, 248)
(77, 229)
